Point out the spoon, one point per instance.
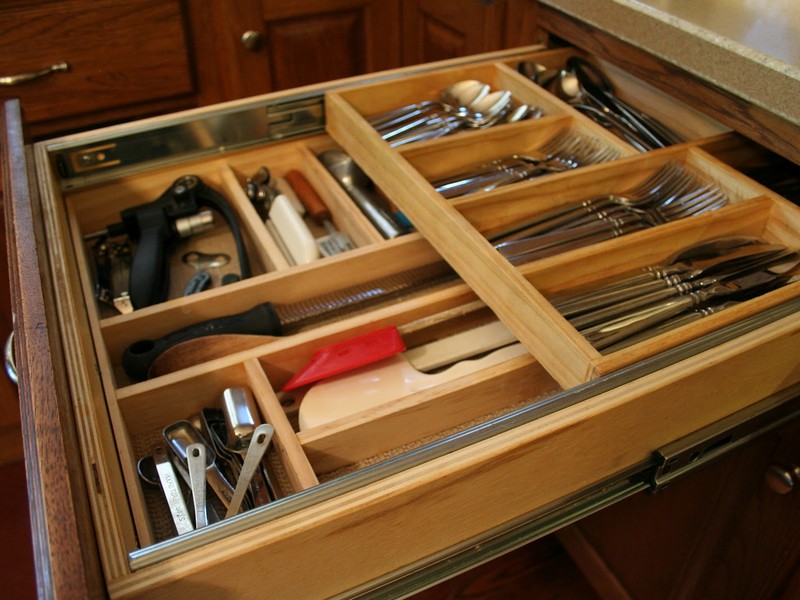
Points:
(179, 436)
(459, 97)
(146, 467)
(489, 109)
(455, 99)
(360, 188)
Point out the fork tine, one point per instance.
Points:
(708, 202)
(655, 181)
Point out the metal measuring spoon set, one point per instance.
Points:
(208, 452)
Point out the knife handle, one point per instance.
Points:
(308, 196)
(259, 320)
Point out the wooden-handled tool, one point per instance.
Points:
(336, 241)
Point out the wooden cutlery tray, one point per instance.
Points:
(119, 420)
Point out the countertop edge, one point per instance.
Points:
(729, 65)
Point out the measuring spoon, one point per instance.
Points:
(179, 436)
(241, 423)
(172, 491)
(196, 457)
(252, 462)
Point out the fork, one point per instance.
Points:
(617, 218)
(665, 184)
(565, 151)
(670, 194)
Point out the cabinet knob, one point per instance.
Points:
(782, 480)
(251, 40)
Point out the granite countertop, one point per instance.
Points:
(750, 48)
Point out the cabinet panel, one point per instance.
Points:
(310, 41)
(121, 57)
(721, 533)
(443, 29)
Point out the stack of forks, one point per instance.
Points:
(672, 193)
(565, 151)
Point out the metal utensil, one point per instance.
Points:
(259, 442)
(664, 276)
(172, 491)
(615, 330)
(241, 423)
(360, 188)
(196, 457)
(179, 436)
(691, 262)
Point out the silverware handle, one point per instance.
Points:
(172, 492)
(196, 459)
(551, 220)
(571, 305)
(487, 178)
(537, 243)
(390, 117)
(659, 290)
(608, 333)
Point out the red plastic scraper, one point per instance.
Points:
(348, 355)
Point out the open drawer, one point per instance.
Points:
(396, 475)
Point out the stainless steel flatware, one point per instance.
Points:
(657, 278)
(564, 151)
(615, 330)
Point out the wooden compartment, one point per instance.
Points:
(687, 122)
(450, 403)
(450, 226)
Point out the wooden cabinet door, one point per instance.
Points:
(441, 29)
(720, 534)
(121, 59)
(310, 41)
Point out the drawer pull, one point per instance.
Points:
(25, 77)
(251, 40)
(11, 365)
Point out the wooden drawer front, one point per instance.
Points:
(120, 54)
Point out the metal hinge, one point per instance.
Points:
(701, 447)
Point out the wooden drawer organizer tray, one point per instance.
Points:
(558, 358)
(457, 228)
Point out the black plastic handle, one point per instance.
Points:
(259, 320)
(149, 271)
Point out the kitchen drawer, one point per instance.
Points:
(109, 59)
(394, 486)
